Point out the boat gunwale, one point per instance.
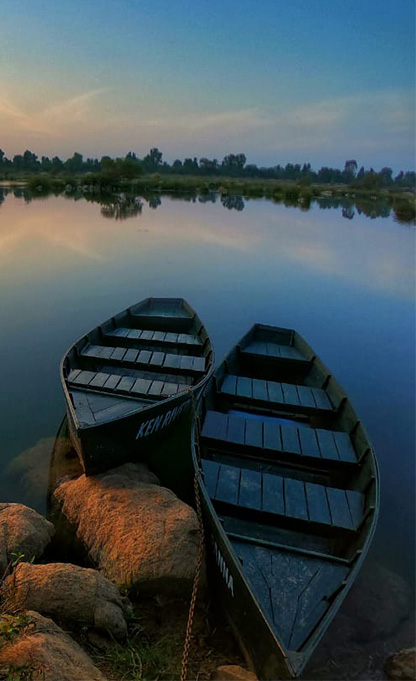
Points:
(168, 400)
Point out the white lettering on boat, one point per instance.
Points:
(222, 566)
(162, 421)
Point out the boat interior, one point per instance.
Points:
(290, 473)
(147, 353)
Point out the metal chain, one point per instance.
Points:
(197, 576)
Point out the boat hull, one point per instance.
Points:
(289, 488)
(260, 647)
(132, 382)
(134, 437)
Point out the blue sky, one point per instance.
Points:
(282, 81)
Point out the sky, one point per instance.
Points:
(317, 81)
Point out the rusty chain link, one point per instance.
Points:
(197, 576)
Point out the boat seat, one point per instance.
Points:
(273, 351)
(155, 337)
(157, 361)
(269, 438)
(287, 396)
(124, 385)
(172, 319)
(271, 496)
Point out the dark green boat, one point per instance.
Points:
(290, 496)
(129, 382)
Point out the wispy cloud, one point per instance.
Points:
(52, 120)
(322, 131)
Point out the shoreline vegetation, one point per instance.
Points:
(376, 194)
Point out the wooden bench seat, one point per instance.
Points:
(269, 437)
(273, 351)
(134, 357)
(286, 498)
(298, 398)
(155, 337)
(176, 320)
(124, 385)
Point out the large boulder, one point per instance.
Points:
(66, 593)
(23, 532)
(402, 665)
(138, 533)
(42, 650)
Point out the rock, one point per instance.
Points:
(44, 651)
(402, 665)
(233, 672)
(22, 531)
(30, 470)
(66, 593)
(43, 465)
(138, 534)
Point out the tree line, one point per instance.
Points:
(232, 165)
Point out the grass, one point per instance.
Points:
(154, 646)
(12, 625)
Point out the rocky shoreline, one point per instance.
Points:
(101, 590)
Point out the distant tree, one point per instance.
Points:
(153, 160)
(177, 166)
(57, 165)
(251, 170)
(406, 180)
(208, 167)
(233, 164)
(350, 170)
(30, 161)
(120, 168)
(386, 175)
(360, 173)
(130, 167)
(190, 166)
(370, 180)
(18, 163)
(74, 164)
(409, 179)
(46, 164)
(91, 165)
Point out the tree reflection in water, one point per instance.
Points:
(122, 208)
(233, 202)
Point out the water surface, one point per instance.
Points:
(346, 285)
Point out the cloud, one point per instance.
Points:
(377, 126)
(51, 121)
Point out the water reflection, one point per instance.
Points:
(232, 202)
(129, 205)
(122, 207)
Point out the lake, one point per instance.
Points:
(347, 285)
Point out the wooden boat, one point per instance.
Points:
(128, 382)
(289, 492)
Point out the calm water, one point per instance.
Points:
(346, 285)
